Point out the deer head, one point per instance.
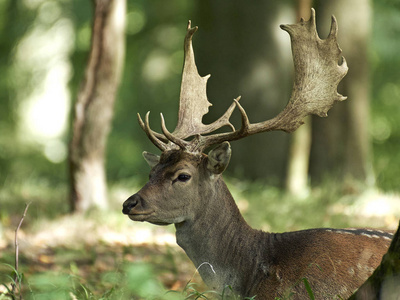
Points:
(317, 74)
(177, 182)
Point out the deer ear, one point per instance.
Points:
(218, 158)
(151, 158)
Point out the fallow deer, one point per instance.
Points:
(186, 188)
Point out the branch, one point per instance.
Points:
(17, 278)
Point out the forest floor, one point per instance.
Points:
(96, 253)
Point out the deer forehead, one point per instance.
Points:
(177, 160)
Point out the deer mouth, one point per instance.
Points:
(146, 217)
(139, 216)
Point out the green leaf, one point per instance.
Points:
(308, 288)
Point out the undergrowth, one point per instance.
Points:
(134, 281)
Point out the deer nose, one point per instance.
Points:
(130, 203)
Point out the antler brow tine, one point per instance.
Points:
(146, 127)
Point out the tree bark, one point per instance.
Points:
(341, 143)
(384, 283)
(94, 107)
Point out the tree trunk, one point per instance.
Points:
(384, 283)
(300, 141)
(94, 106)
(241, 45)
(341, 144)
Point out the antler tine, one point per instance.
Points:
(156, 134)
(333, 37)
(334, 28)
(146, 127)
(222, 121)
(245, 119)
(180, 142)
(202, 142)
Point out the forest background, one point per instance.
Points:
(353, 155)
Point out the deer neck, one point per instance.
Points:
(221, 244)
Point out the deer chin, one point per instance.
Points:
(166, 221)
(159, 223)
(141, 217)
(149, 217)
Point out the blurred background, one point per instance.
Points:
(337, 171)
(44, 50)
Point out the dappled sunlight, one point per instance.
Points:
(157, 66)
(136, 20)
(42, 57)
(271, 209)
(44, 113)
(76, 231)
(372, 208)
(96, 250)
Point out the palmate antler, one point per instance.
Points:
(193, 105)
(317, 75)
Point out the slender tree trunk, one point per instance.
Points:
(94, 106)
(300, 143)
(341, 143)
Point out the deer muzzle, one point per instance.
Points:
(130, 204)
(133, 207)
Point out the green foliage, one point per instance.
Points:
(50, 286)
(309, 289)
(141, 281)
(269, 207)
(385, 105)
(15, 279)
(49, 199)
(134, 281)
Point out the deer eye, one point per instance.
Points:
(183, 177)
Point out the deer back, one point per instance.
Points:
(334, 262)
